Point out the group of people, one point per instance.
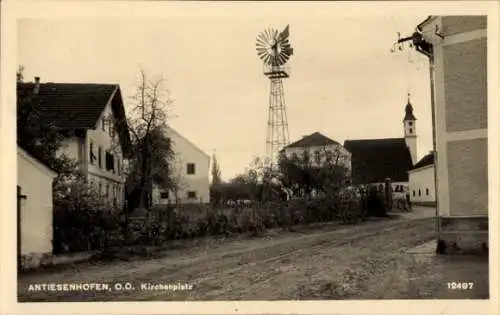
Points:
(372, 193)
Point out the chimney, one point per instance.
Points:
(36, 90)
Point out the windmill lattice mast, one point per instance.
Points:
(275, 50)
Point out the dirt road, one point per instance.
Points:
(339, 262)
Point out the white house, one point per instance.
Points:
(93, 118)
(34, 185)
(422, 181)
(190, 169)
(319, 148)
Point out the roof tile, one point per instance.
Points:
(71, 105)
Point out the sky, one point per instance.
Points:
(344, 82)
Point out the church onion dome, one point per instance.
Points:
(409, 112)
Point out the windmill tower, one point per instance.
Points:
(275, 50)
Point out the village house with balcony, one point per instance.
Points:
(94, 116)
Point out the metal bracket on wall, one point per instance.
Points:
(437, 32)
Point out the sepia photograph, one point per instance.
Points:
(243, 152)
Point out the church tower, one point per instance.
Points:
(410, 131)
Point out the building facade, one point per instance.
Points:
(190, 172)
(104, 158)
(458, 50)
(319, 149)
(422, 182)
(34, 184)
(93, 118)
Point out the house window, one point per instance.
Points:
(410, 123)
(191, 194)
(317, 156)
(103, 124)
(99, 157)
(107, 190)
(419, 193)
(100, 188)
(110, 162)
(427, 191)
(164, 195)
(294, 156)
(411, 130)
(191, 169)
(111, 129)
(91, 152)
(414, 193)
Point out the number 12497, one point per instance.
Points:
(460, 285)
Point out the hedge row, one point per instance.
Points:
(169, 223)
(83, 228)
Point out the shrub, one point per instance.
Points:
(82, 220)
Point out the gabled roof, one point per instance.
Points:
(35, 162)
(425, 161)
(374, 160)
(78, 106)
(314, 139)
(69, 105)
(172, 130)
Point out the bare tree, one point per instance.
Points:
(152, 150)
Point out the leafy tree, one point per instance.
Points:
(303, 175)
(215, 186)
(216, 173)
(39, 137)
(258, 183)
